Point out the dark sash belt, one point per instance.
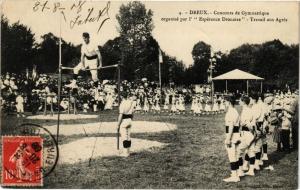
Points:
(127, 116)
(91, 57)
(245, 129)
(236, 129)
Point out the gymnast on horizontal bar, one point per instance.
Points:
(90, 60)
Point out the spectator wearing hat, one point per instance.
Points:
(275, 121)
(181, 104)
(207, 107)
(109, 100)
(215, 108)
(195, 109)
(101, 100)
(295, 122)
(20, 105)
(6, 80)
(146, 105)
(268, 100)
(173, 105)
(166, 102)
(222, 105)
(138, 105)
(194, 104)
(286, 126)
(34, 102)
(12, 83)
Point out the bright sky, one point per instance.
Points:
(176, 38)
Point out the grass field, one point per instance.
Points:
(195, 157)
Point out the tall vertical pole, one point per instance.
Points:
(212, 90)
(45, 105)
(211, 83)
(210, 73)
(119, 84)
(119, 97)
(247, 87)
(159, 74)
(69, 102)
(261, 86)
(59, 82)
(226, 86)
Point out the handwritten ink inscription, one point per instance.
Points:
(84, 14)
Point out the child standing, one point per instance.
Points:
(173, 107)
(20, 105)
(146, 105)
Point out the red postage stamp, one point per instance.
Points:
(22, 161)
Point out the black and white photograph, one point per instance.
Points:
(149, 94)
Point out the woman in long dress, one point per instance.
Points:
(109, 101)
(222, 106)
(166, 103)
(197, 110)
(174, 105)
(215, 108)
(194, 105)
(181, 104)
(275, 121)
(207, 107)
(138, 106)
(146, 105)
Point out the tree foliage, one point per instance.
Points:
(274, 61)
(197, 73)
(139, 50)
(17, 44)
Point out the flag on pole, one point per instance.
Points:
(160, 58)
(34, 73)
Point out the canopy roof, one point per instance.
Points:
(237, 74)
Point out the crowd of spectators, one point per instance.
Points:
(39, 91)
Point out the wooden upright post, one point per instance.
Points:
(69, 103)
(247, 87)
(51, 105)
(75, 111)
(119, 100)
(119, 84)
(59, 81)
(45, 105)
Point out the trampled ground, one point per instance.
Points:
(193, 156)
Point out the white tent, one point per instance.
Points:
(237, 74)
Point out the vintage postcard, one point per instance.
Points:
(149, 94)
